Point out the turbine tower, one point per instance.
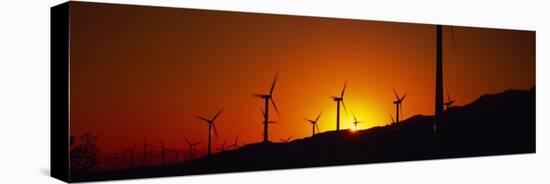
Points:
(210, 126)
(392, 123)
(339, 100)
(163, 153)
(147, 151)
(438, 125)
(267, 98)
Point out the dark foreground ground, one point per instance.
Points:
(494, 124)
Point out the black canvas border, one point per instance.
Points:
(60, 98)
(59, 92)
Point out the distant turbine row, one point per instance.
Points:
(338, 99)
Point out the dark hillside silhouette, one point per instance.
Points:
(494, 124)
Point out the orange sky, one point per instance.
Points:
(139, 71)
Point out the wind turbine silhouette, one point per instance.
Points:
(163, 153)
(132, 153)
(235, 145)
(355, 122)
(314, 124)
(392, 123)
(397, 103)
(450, 102)
(190, 153)
(267, 98)
(222, 149)
(147, 149)
(339, 100)
(286, 140)
(210, 126)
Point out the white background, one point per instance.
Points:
(24, 90)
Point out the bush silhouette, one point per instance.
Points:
(84, 155)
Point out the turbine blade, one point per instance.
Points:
(218, 114)
(344, 105)
(395, 93)
(318, 116)
(236, 140)
(317, 127)
(273, 85)
(263, 113)
(188, 142)
(354, 117)
(403, 98)
(202, 118)
(344, 89)
(275, 107)
(215, 130)
(401, 111)
(258, 95)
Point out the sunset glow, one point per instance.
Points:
(140, 72)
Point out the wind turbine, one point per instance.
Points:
(222, 149)
(235, 145)
(190, 153)
(286, 140)
(355, 122)
(210, 126)
(132, 153)
(163, 153)
(147, 149)
(397, 102)
(314, 124)
(339, 100)
(268, 97)
(450, 102)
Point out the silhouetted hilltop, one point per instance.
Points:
(502, 123)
